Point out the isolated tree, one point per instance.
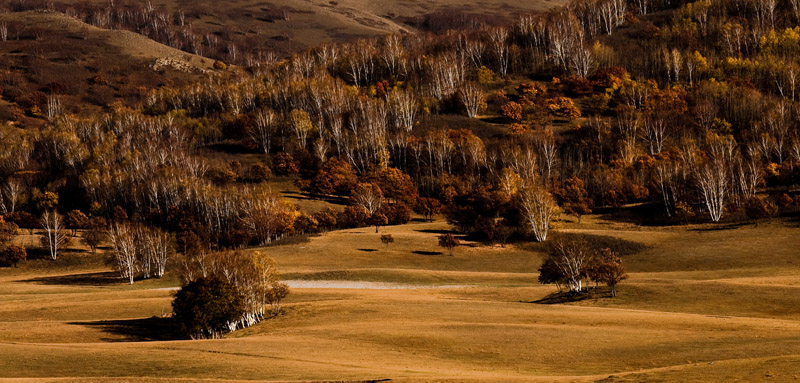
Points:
(572, 258)
(449, 242)
(538, 208)
(387, 239)
(606, 267)
(54, 236)
(204, 307)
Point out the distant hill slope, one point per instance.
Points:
(49, 54)
(291, 25)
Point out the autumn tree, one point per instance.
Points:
(472, 98)
(712, 179)
(7, 231)
(606, 267)
(572, 258)
(449, 242)
(263, 129)
(13, 255)
(394, 184)
(54, 236)
(335, 177)
(387, 239)
(378, 219)
(76, 220)
(538, 208)
(95, 233)
(511, 111)
(302, 126)
(429, 207)
(368, 196)
(550, 273)
(123, 238)
(574, 198)
(204, 307)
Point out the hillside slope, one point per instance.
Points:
(49, 54)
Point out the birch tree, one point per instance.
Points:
(123, 239)
(712, 178)
(572, 259)
(55, 235)
(538, 208)
(472, 98)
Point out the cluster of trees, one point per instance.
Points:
(570, 262)
(225, 291)
(699, 115)
(140, 250)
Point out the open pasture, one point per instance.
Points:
(700, 304)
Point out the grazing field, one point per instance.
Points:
(702, 303)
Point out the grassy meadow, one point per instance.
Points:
(703, 303)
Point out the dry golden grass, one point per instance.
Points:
(701, 305)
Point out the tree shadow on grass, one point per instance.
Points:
(422, 252)
(721, 227)
(569, 297)
(368, 250)
(104, 278)
(432, 231)
(135, 330)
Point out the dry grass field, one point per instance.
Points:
(703, 303)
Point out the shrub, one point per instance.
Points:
(203, 308)
(511, 111)
(219, 65)
(563, 107)
(396, 213)
(353, 216)
(285, 165)
(260, 172)
(13, 255)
